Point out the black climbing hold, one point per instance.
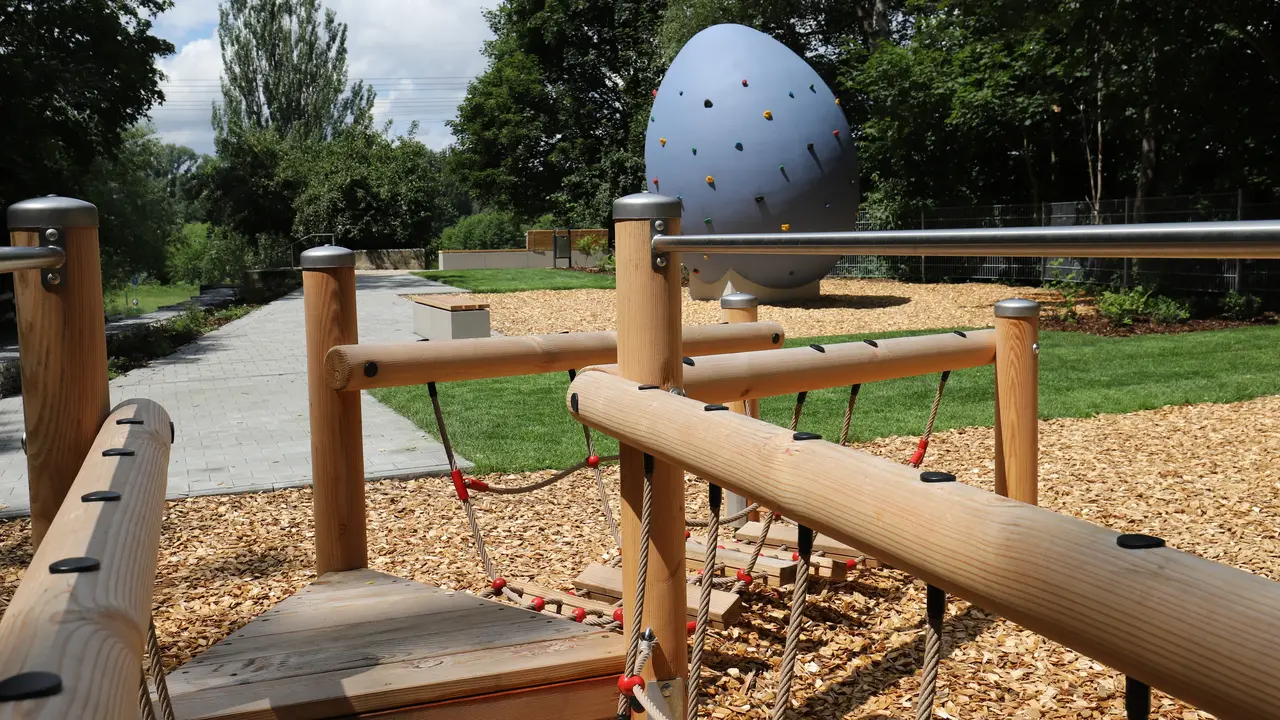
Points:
(1138, 541)
(810, 147)
(573, 401)
(74, 565)
(117, 452)
(713, 408)
(648, 387)
(805, 436)
(29, 685)
(431, 389)
(100, 496)
(687, 361)
(737, 146)
(961, 334)
(648, 464)
(128, 421)
(818, 347)
(776, 337)
(759, 198)
(706, 103)
(872, 343)
(933, 476)
(370, 369)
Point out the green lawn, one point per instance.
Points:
(516, 424)
(150, 297)
(520, 279)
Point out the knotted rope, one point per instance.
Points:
(604, 493)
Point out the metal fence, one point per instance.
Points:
(1258, 277)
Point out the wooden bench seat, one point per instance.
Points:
(452, 303)
(449, 317)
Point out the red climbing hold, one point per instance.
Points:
(744, 576)
(579, 614)
(538, 604)
(744, 82)
(617, 614)
(459, 485)
(593, 461)
(850, 564)
(655, 92)
(498, 584)
(626, 685)
(655, 181)
(835, 133)
(692, 627)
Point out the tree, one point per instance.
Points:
(76, 75)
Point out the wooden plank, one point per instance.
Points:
(780, 534)
(604, 581)
(572, 601)
(590, 699)
(819, 566)
(780, 572)
(452, 303)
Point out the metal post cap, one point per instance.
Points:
(327, 256)
(52, 211)
(645, 206)
(1017, 308)
(738, 301)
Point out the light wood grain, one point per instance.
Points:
(591, 699)
(90, 627)
(416, 363)
(63, 348)
(766, 373)
(1196, 629)
(606, 582)
(781, 535)
(452, 303)
(750, 407)
(337, 439)
(649, 352)
(1017, 408)
(336, 650)
(819, 565)
(778, 572)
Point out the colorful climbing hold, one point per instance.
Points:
(812, 89)
(706, 103)
(663, 142)
(707, 221)
(737, 146)
(810, 147)
(837, 101)
(744, 82)
(790, 94)
(655, 180)
(710, 180)
(695, 151)
(768, 115)
(655, 92)
(783, 168)
(759, 198)
(835, 133)
(786, 227)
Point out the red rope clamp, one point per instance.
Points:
(918, 456)
(579, 614)
(617, 615)
(477, 485)
(498, 584)
(538, 603)
(745, 577)
(460, 485)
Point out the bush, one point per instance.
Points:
(593, 245)
(1125, 307)
(1238, 306)
(483, 231)
(207, 255)
(608, 264)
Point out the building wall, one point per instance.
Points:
(507, 259)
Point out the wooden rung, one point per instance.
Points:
(571, 601)
(780, 534)
(602, 581)
(779, 572)
(819, 566)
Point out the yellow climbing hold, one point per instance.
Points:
(663, 141)
(710, 179)
(786, 227)
(837, 101)
(768, 115)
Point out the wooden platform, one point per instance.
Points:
(601, 582)
(359, 643)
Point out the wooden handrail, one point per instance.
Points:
(89, 628)
(748, 375)
(376, 365)
(1196, 629)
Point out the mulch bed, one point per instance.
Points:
(1094, 324)
(1203, 477)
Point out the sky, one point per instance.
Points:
(417, 54)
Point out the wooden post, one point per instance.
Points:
(736, 307)
(649, 353)
(337, 442)
(1017, 398)
(63, 348)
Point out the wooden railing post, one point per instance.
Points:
(337, 442)
(740, 307)
(63, 347)
(1017, 398)
(649, 353)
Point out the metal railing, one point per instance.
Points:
(31, 258)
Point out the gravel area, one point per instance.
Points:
(1204, 477)
(847, 305)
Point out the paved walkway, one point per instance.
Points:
(238, 398)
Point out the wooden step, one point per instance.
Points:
(780, 534)
(571, 601)
(823, 567)
(602, 582)
(362, 642)
(779, 572)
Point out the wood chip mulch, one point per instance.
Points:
(847, 306)
(1204, 477)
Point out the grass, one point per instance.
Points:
(518, 424)
(520, 280)
(150, 297)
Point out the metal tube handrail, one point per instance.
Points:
(1251, 239)
(31, 258)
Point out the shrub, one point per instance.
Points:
(1239, 306)
(1124, 307)
(1163, 309)
(203, 254)
(593, 245)
(608, 264)
(483, 231)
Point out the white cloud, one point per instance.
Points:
(417, 54)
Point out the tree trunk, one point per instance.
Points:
(1146, 166)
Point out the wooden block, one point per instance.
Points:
(452, 303)
(823, 567)
(603, 581)
(780, 572)
(780, 534)
(571, 601)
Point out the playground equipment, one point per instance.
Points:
(360, 643)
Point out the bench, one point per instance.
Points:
(449, 317)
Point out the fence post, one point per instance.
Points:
(1238, 264)
(63, 348)
(737, 308)
(649, 352)
(1017, 398)
(337, 442)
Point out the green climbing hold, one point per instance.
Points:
(695, 151)
(737, 146)
(707, 221)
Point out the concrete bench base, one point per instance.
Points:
(435, 323)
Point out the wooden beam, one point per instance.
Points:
(347, 367)
(1017, 399)
(1196, 629)
(89, 627)
(590, 699)
(778, 572)
(765, 373)
(602, 581)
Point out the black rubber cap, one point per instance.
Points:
(573, 374)
(957, 332)
(173, 433)
(128, 421)
(1137, 541)
(818, 347)
(431, 389)
(117, 452)
(804, 539)
(573, 401)
(713, 408)
(933, 476)
(649, 387)
(687, 361)
(714, 496)
(872, 343)
(74, 565)
(648, 463)
(1137, 699)
(776, 338)
(28, 685)
(806, 436)
(100, 496)
(370, 369)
